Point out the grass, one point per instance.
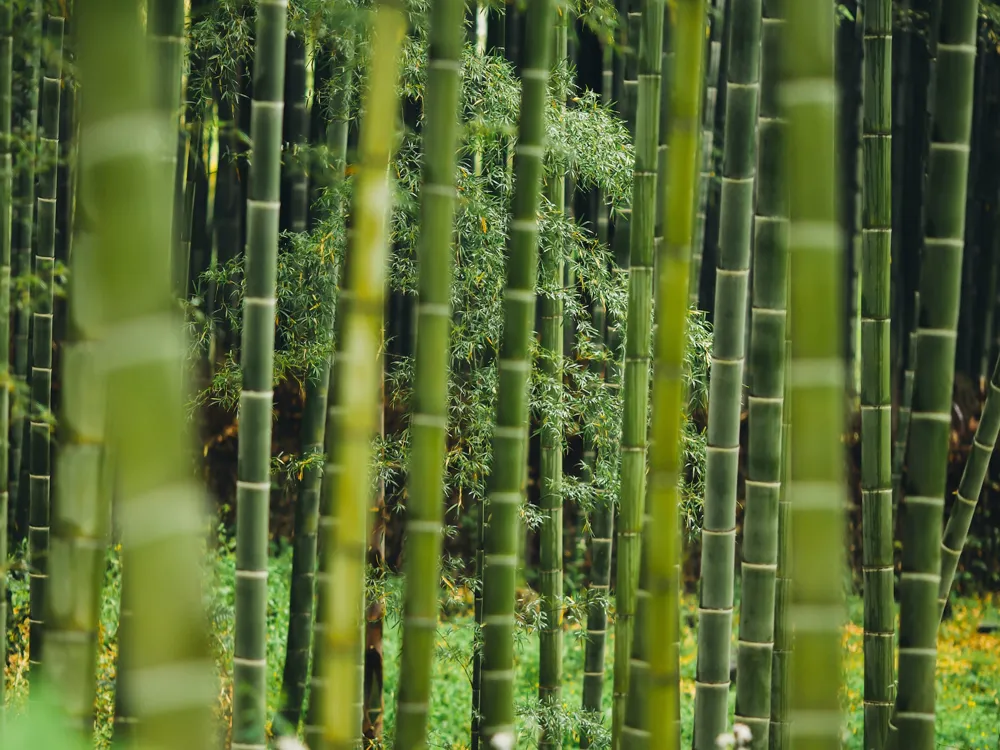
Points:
(968, 666)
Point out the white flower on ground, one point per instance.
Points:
(503, 741)
(725, 740)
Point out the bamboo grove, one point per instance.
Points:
(539, 373)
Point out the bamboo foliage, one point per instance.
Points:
(506, 483)
(40, 449)
(356, 397)
(876, 395)
(124, 261)
(816, 379)
(715, 610)
(430, 417)
(254, 460)
(635, 379)
(940, 287)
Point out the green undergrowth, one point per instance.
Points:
(968, 664)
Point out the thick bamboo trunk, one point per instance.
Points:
(715, 610)
(816, 379)
(766, 363)
(922, 507)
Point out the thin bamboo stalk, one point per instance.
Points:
(356, 396)
(662, 550)
(6, 228)
(635, 731)
(40, 445)
(253, 487)
(430, 418)
(507, 481)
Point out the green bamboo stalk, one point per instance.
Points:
(295, 674)
(22, 242)
(715, 612)
(602, 516)
(816, 380)
(6, 228)
(662, 551)
(647, 38)
(940, 290)
(876, 372)
(430, 414)
(40, 449)
(295, 177)
(253, 487)
(165, 27)
(356, 396)
(905, 408)
(128, 297)
(632, 667)
(707, 145)
(552, 339)
(765, 405)
(81, 504)
(957, 529)
(779, 732)
(507, 481)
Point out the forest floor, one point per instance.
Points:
(968, 716)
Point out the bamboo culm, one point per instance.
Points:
(816, 379)
(552, 339)
(922, 507)
(22, 242)
(715, 611)
(765, 405)
(635, 732)
(635, 230)
(707, 146)
(429, 423)
(253, 486)
(507, 482)
(122, 256)
(876, 393)
(662, 545)
(306, 615)
(357, 386)
(40, 444)
(6, 229)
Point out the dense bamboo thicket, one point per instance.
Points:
(605, 373)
